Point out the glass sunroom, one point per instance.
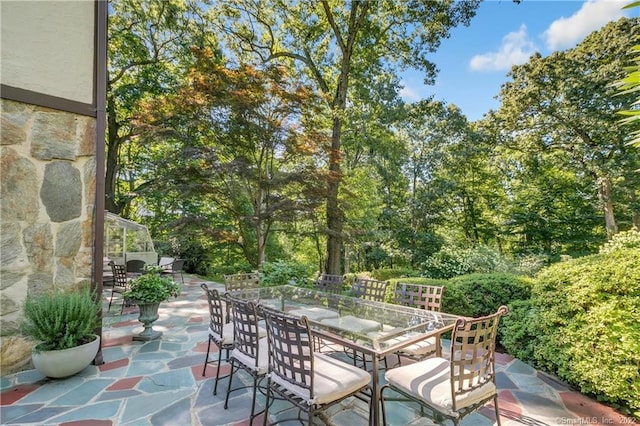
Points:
(127, 240)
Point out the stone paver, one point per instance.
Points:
(161, 383)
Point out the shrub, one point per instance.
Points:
(455, 261)
(385, 274)
(476, 295)
(61, 319)
(588, 323)
(281, 272)
(518, 331)
(151, 288)
(628, 239)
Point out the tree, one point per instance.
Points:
(148, 51)
(336, 43)
(566, 102)
(243, 147)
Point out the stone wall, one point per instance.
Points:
(47, 195)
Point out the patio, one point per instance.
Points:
(160, 383)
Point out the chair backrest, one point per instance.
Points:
(427, 297)
(290, 350)
(245, 323)
(166, 262)
(369, 289)
(472, 360)
(135, 266)
(216, 310)
(329, 283)
(177, 265)
(241, 281)
(119, 276)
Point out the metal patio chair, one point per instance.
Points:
(120, 284)
(251, 349)
(311, 381)
(457, 386)
(425, 297)
(221, 333)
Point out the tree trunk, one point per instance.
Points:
(635, 214)
(334, 213)
(604, 194)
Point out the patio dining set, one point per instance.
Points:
(315, 346)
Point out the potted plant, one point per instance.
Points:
(148, 291)
(63, 322)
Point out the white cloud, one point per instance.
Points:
(516, 49)
(567, 32)
(409, 94)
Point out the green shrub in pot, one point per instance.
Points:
(61, 319)
(63, 324)
(151, 288)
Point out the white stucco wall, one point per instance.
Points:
(47, 47)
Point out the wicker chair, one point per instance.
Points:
(221, 333)
(329, 283)
(251, 349)
(457, 386)
(423, 297)
(309, 380)
(120, 283)
(369, 289)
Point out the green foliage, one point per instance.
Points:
(628, 239)
(282, 272)
(518, 332)
(453, 261)
(557, 111)
(530, 265)
(61, 319)
(476, 295)
(385, 274)
(588, 316)
(152, 288)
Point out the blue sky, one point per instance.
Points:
(475, 60)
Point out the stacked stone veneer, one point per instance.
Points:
(47, 195)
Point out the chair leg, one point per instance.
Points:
(495, 406)
(266, 403)
(384, 414)
(226, 398)
(253, 400)
(206, 360)
(215, 386)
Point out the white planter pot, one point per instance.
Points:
(65, 362)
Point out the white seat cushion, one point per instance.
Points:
(263, 357)
(333, 379)
(428, 380)
(227, 333)
(421, 348)
(314, 314)
(354, 324)
(166, 263)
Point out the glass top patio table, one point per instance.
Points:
(379, 328)
(372, 328)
